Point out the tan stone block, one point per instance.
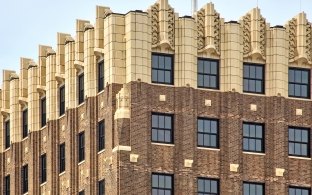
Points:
(279, 172)
(253, 107)
(188, 163)
(299, 112)
(234, 167)
(134, 158)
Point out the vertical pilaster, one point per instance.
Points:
(51, 87)
(15, 112)
(70, 74)
(60, 54)
(33, 97)
(79, 46)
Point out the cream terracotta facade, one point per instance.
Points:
(126, 43)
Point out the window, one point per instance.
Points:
(7, 134)
(101, 135)
(162, 184)
(253, 188)
(101, 76)
(81, 192)
(81, 146)
(299, 83)
(208, 73)
(62, 158)
(62, 100)
(25, 123)
(253, 137)
(207, 186)
(298, 191)
(101, 187)
(43, 112)
(254, 78)
(207, 133)
(298, 142)
(7, 185)
(162, 68)
(81, 88)
(43, 168)
(162, 128)
(25, 179)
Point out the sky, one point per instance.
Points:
(24, 24)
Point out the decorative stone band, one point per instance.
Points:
(122, 148)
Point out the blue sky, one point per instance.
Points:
(26, 24)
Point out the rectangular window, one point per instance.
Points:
(207, 186)
(299, 191)
(101, 76)
(43, 168)
(253, 78)
(81, 147)
(253, 137)
(299, 82)
(7, 185)
(298, 141)
(7, 134)
(25, 179)
(43, 112)
(81, 88)
(62, 158)
(207, 133)
(162, 68)
(101, 186)
(253, 188)
(208, 73)
(162, 128)
(81, 192)
(62, 100)
(162, 184)
(101, 135)
(25, 123)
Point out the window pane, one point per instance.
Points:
(168, 63)
(167, 76)
(200, 67)
(258, 145)
(297, 90)
(252, 85)
(213, 81)
(214, 187)
(206, 140)
(167, 136)
(246, 85)
(246, 71)
(200, 139)
(206, 67)
(259, 131)
(213, 140)
(200, 185)
(200, 126)
(161, 180)
(245, 144)
(252, 71)
(252, 144)
(252, 130)
(213, 127)
(168, 182)
(259, 72)
(259, 189)
(291, 147)
(154, 75)
(258, 86)
(207, 126)
(154, 121)
(298, 135)
(304, 136)
(291, 76)
(200, 81)
(213, 68)
(206, 81)
(291, 89)
(246, 189)
(304, 90)
(161, 135)
(252, 189)
(305, 77)
(291, 136)
(154, 135)
(154, 61)
(161, 76)
(161, 62)
(161, 121)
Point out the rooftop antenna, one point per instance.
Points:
(194, 6)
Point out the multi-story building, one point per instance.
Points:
(153, 103)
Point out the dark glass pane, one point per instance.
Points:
(252, 72)
(168, 63)
(245, 144)
(154, 135)
(291, 76)
(258, 86)
(206, 67)
(200, 81)
(167, 122)
(161, 76)
(297, 149)
(305, 192)
(246, 71)
(304, 149)
(291, 148)
(154, 121)
(213, 127)
(246, 130)
(305, 77)
(259, 189)
(206, 140)
(214, 187)
(252, 130)
(200, 68)
(167, 136)
(213, 69)
(200, 185)
(161, 62)
(154, 75)
(298, 135)
(246, 189)
(161, 135)
(167, 76)
(298, 76)
(252, 189)
(304, 90)
(259, 131)
(259, 72)
(304, 136)
(252, 144)
(168, 182)
(258, 145)
(292, 191)
(207, 126)
(213, 140)
(200, 126)
(206, 81)
(200, 139)
(252, 85)
(291, 89)
(161, 181)
(291, 134)
(155, 181)
(297, 90)
(213, 81)
(246, 85)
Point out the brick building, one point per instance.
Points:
(153, 103)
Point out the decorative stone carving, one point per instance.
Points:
(292, 38)
(201, 29)
(155, 23)
(262, 35)
(309, 41)
(217, 29)
(171, 26)
(123, 104)
(246, 34)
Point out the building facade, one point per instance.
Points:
(153, 103)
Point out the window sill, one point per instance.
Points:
(81, 104)
(162, 144)
(63, 173)
(100, 152)
(212, 149)
(43, 127)
(255, 94)
(298, 98)
(162, 84)
(207, 89)
(100, 92)
(25, 193)
(44, 183)
(25, 138)
(301, 158)
(7, 149)
(81, 162)
(254, 153)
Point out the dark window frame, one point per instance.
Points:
(255, 183)
(7, 134)
(62, 100)
(101, 135)
(24, 174)
(295, 83)
(162, 174)
(299, 187)
(62, 157)
(211, 179)
(163, 69)
(81, 146)
(43, 168)
(297, 142)
(7, 185)
(254, 79)
(255, 138)
(25, 123)
(204, 133)
(43, 111)
(81, 88)
(209, 74)
(82, 192)
(101, 187)
(101, 75)
(164, 129)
